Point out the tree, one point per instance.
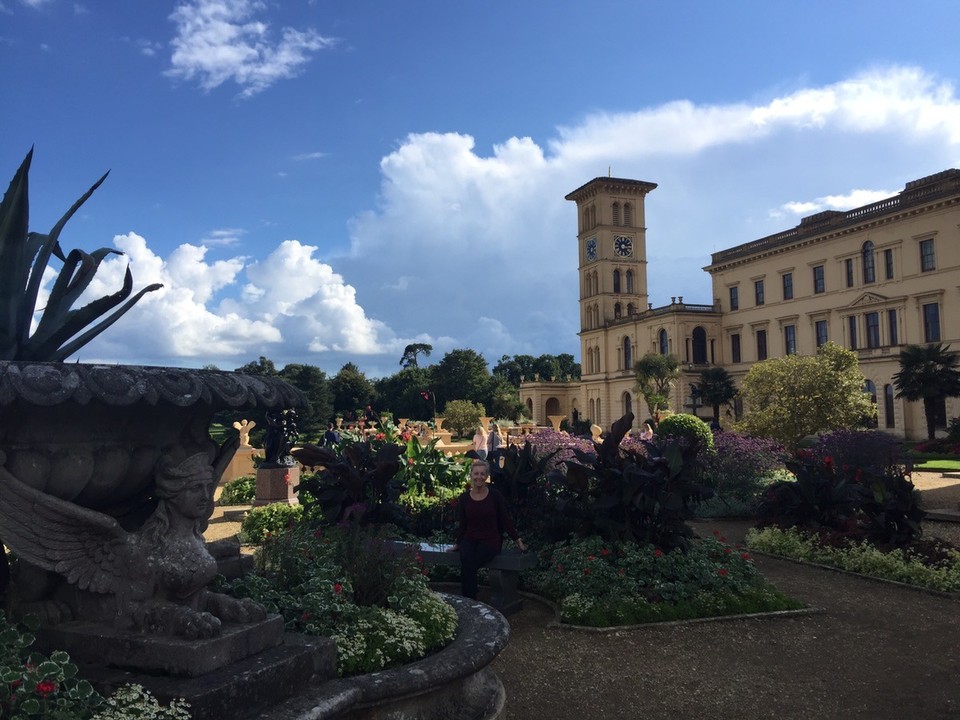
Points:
(568, 366)
(928, 373)
(401, 393)
(351, 390)
(655, 375)
(263, 367)
(794, 396)
(410, 352)
(312, 382)
(514, 368)
(462, 416)
(715, 388)
(505, 399)
(461, 375)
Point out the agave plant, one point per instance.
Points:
(24, 255)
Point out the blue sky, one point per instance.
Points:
(326, 181)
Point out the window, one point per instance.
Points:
(848, 267)
(873, 329)
(892, 327)
(869, 266)
(616, 281)
(761, 344)
(629, 281)
(931, 322)
(928, 257)
(664, 342)
(628, 214)
(734, 298)
(852, 325)
(617, 311)
(629, 309)
(790, 339)
(699, 345)
(889, 420)
(871, 390)
(735, 347)
(616, 213)
(821, 332)
(888, 264)
(627, 403)
(758, 292)
(819, 285)
(788, 286)
(627, 354)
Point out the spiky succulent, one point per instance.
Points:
(24, 256)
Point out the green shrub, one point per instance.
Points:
(266, 520)
(240, 491)
(463, 417)
(689, 427)
(602, 583)
(860, 557)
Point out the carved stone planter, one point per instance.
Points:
(456, 682)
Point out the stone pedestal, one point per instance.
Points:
(276, 484)
(240, 465)
(555, 420)
(485, 422)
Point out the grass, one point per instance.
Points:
(938, 465)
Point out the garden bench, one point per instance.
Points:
(504, 570)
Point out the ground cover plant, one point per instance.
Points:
(738, 469)
(240, 491)
(601, 583)
(346, 582)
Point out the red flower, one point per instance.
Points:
(604, 552)
(745, 556)
(591, 557)
(305, 617)
(379, 436)
(411, 461)
(657, 552)
(337, 588)
(721, 538)
(722, 572)
(15, 684)
(46, 687)
(418, 557)
(586, 571)
(727, 550)
(828, 463)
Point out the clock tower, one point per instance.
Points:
(613, 258)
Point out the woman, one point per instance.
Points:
(496, 439)
(483, 520)
(480, 443)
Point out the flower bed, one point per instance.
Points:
(927, 564)
(343, 582)
(600, 583)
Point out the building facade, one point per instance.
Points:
(872, 279)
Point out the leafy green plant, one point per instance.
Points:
(463, 416)
(899, 564)
(602, 583)
(24, 256)
(345, 582)
(690, 427)
(268, 520)
(621, 494)
(239, 491)
(739, 468)
(133, 701)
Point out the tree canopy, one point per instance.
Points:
(351, 390)
(790, 397)
(461, 375)
(715, 388)
(928, 373)
(655, 374)
(410, 352)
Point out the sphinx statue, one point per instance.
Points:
(150, 580)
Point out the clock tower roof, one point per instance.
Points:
(610, 186)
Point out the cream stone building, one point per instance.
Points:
(872, 279)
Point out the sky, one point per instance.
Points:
(327, 181)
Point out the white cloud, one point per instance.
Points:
(310, 156)
(223, 236)
(853, 199)
(219, 41)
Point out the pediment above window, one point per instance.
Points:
(868, 298)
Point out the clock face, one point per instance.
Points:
(592, 249)
(623, 245)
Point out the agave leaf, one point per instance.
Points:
(14, 219)
(67, 350)
(50, 245)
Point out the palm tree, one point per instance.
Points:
(928, 373)
(715, 388)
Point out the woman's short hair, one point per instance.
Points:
(477, 462)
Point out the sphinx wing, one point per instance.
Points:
(87, 547)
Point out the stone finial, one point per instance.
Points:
(595, 432)
(244, 427)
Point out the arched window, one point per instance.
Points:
(628, 214)
(616, 281)
(616, 213)
(596, 316)
(871, 389)
(617, 312)
(588, 285)
(592, 410)
(889, 419)
(869, 265)
(586, 219)
(629, 281)
(627, 354)
(530, 408)
(663, 341)
(627, 403)
(629, 309)
(599, 419)
(699, 345)
(593, 216)
(596, 354)
(596, 282)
